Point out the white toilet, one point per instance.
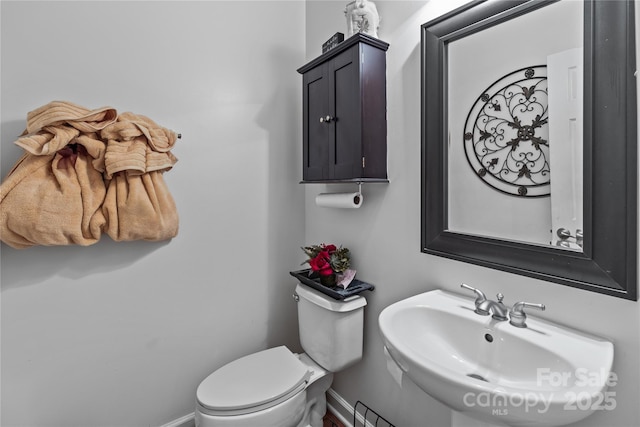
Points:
(278, 388)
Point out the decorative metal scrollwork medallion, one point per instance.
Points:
(506, 134)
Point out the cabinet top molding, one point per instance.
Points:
(356, 38)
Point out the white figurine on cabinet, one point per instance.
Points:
(362, 17)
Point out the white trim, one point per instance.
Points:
(340, 407)
(186, 421)
(338, 416)
(343, 410)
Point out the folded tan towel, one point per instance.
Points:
(137, 144)
(139, 207)
(59, 112)
(47, 140)
(52, 139)
(159, 138)
(138, 204)
(52, 200)
(86, 172)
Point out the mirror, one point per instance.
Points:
(489, 117)
(506, 107)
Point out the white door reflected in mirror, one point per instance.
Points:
(565, 76)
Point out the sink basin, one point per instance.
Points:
(543, 375)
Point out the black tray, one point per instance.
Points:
(355, 287)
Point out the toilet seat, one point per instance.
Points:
(253, 383)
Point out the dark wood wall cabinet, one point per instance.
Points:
(345, 113)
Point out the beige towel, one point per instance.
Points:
(59, 112)
(138, 204)
(54, 125)
(52, 200)
(139, 207)
(87, 172)
(159, 138)
(52, 139)
(137, 144)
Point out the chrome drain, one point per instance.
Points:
(478, 377)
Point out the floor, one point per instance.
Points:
(330, 420)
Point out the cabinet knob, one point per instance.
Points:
(326, 119)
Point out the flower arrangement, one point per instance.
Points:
(330, 263)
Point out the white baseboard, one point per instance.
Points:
(188, 420)
(344, 411)
(340, 407)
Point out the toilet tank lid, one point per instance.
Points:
(325, 301)
(253, 381)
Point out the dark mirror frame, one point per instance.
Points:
(608, 263)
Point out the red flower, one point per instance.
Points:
(321, 264)
(327, 259)
(329, 248)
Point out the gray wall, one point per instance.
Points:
(384, 238)
(120, 334)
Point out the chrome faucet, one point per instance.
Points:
(486, 306)
(517, 315)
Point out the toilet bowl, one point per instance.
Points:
(274, 387)
(278, 388)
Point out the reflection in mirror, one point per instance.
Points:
(548, 188)
(514, 124)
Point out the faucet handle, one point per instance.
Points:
(480, 296)
(517, 316)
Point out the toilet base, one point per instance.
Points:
(316, 406)
(305, 409)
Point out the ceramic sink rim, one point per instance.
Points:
(430, 312)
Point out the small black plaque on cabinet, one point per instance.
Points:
(334, 41)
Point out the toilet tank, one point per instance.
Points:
(331, 331)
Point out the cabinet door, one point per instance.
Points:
(315, 148)
(344, 113)
(344, 102)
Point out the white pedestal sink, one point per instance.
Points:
(542, 375)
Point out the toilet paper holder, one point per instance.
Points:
(359, 191)
(341, 200)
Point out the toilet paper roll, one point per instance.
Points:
(340, 200)
(393, 368)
